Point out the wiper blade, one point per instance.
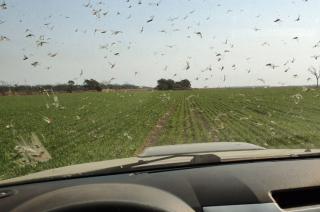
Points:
(307, 154)
(197, 159)
(137, 166)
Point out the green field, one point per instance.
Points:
(84, 127)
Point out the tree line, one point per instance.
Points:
(70, 86)
(89, 85)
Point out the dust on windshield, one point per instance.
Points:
(85, 81)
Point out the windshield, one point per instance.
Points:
(85, 81)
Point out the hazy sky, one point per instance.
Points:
(87, 41)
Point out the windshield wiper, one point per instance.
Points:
(132, 167)
(137, 166)
(197, 159)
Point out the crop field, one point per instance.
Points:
(85, 127)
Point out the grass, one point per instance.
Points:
(88, 127)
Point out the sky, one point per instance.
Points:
(213, 43)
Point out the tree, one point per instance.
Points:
(92, 85)
(184, 84)
(162, 84)
(169, 84)
(71, 84)
(315, 73)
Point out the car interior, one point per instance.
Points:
(283, 184)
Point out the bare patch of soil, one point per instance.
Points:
(154, 134)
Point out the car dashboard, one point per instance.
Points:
(274, 185)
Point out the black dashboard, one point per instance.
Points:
(200, 188)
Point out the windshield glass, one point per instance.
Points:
(85, 81)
